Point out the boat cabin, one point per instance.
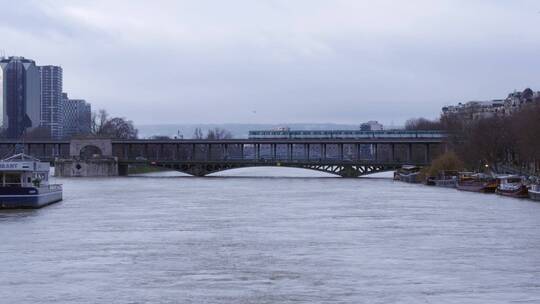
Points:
(23, 171)
(407, 169)
(510, 179)
(466, 176)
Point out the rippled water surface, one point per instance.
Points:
(270, 240)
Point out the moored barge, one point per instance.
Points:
(513, 186)
(446, 179)
(477, 182)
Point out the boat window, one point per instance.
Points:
(12, 179)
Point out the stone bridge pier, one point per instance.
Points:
(88, 158)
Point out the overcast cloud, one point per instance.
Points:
(279, 61)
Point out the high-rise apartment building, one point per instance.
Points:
(19, 95)
(51, 99)
(77, 116)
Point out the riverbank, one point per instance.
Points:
(451, 182)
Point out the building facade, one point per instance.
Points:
(20, 92)
(475, 110)
(76, 117)
(51, 99)
(371, 125)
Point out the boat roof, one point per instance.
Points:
(508, 176)
(482, 175)
(20, 157)
(408, 167)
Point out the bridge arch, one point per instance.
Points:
(78, 147)
(339, 170)
(90, 151)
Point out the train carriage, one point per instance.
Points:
(341, 134)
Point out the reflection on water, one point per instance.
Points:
(166, 239)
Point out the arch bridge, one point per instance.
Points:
(343, 157)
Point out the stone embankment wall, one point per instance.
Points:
(76, 167)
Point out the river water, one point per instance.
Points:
(240, 239)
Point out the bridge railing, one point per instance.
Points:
(274, 151)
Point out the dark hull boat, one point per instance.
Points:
(477, 187)
(410, 178)
(445, 179)
(519, 193)
(477, 183)
(448, 183)
(29, 197)
(512, 186)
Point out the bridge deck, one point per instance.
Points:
(198, 156)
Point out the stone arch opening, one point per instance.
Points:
(90, 151)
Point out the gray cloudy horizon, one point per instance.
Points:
(279, 61)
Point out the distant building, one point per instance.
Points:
(474, 110)
(19, 95)
(51, 99)
(281, 129)
(76, 117)
(516, 100)
(371, 125)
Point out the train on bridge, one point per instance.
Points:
(342, 134)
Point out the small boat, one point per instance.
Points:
(430, 180)
(25, 183)
(408, 174)
(534, 192)
(476, 182)
(446, 179)
(513, 186)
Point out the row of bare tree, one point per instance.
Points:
(102, 125)
(215, 133)
(511, 140)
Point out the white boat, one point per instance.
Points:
(408, 174)
(25, 183)
(443, 179)
(534, 192)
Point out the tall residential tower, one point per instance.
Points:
(77, 117)
(51, 99)
(19, 95)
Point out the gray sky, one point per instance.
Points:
(279, 61)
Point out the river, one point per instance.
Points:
(295, 237)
